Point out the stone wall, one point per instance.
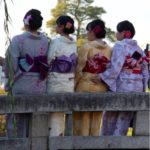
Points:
(39, 107)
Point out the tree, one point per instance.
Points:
(7, 20)
(82, 11)
(60, 9)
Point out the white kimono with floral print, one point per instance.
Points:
(123, 81)
(120, 80)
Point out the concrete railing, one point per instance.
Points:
(39, 107)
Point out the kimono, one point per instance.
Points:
(26, 54)
(93, 58)
(62, 61)
(26, 68)
(128, 73)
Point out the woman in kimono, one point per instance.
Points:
(128, 73)
(26, 65)
(93, 58)
(62, 62)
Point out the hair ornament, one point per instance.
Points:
(127, 34)
(68, 25)
(27, 19)
(97, 29)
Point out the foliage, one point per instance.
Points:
(60, 9)
(82, 12)
(2, 125)
(80, 41)
(2, 92)
(147, 90)
(7, 21)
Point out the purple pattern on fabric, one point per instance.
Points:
(37, 64)
(63, 64)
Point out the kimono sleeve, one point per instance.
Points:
(145, 74)
(52, 50)
(11, 57)
(117, 60)
(11, 67)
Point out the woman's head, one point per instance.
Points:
(96, 29)
(125, 30)
(65, 24)
(33, 19)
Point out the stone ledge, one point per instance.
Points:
(14, 144)
(103, 142)
(76, 102)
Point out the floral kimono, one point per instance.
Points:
(62, 61)
(93, 58)
(26, 68)
(128, 73)
(27, 54)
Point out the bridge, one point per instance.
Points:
(38, 108)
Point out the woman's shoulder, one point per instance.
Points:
(55, 40)
(87, 45)
(120, 43)
(26, 35)
(18, 38)
(82, 50)
(63, 42)
(126, 42)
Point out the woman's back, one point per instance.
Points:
(83, 78)
(33, 46)
(26, 58)
(57, 81)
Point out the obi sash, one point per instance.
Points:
(97, 64)
(37, 64)
(63, 64)
(133, 65)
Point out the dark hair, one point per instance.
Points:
(98, 27)
(68, 23)
(126, 26)
(35, 21)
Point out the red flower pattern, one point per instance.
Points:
(68, 25)
(97, 29)
(97, 64)
(127, 34)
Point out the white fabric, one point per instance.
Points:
(56, 124)
(61, 82)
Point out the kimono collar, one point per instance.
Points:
(99, 44)
(66, 40)
(130, 41)
(33, 36)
